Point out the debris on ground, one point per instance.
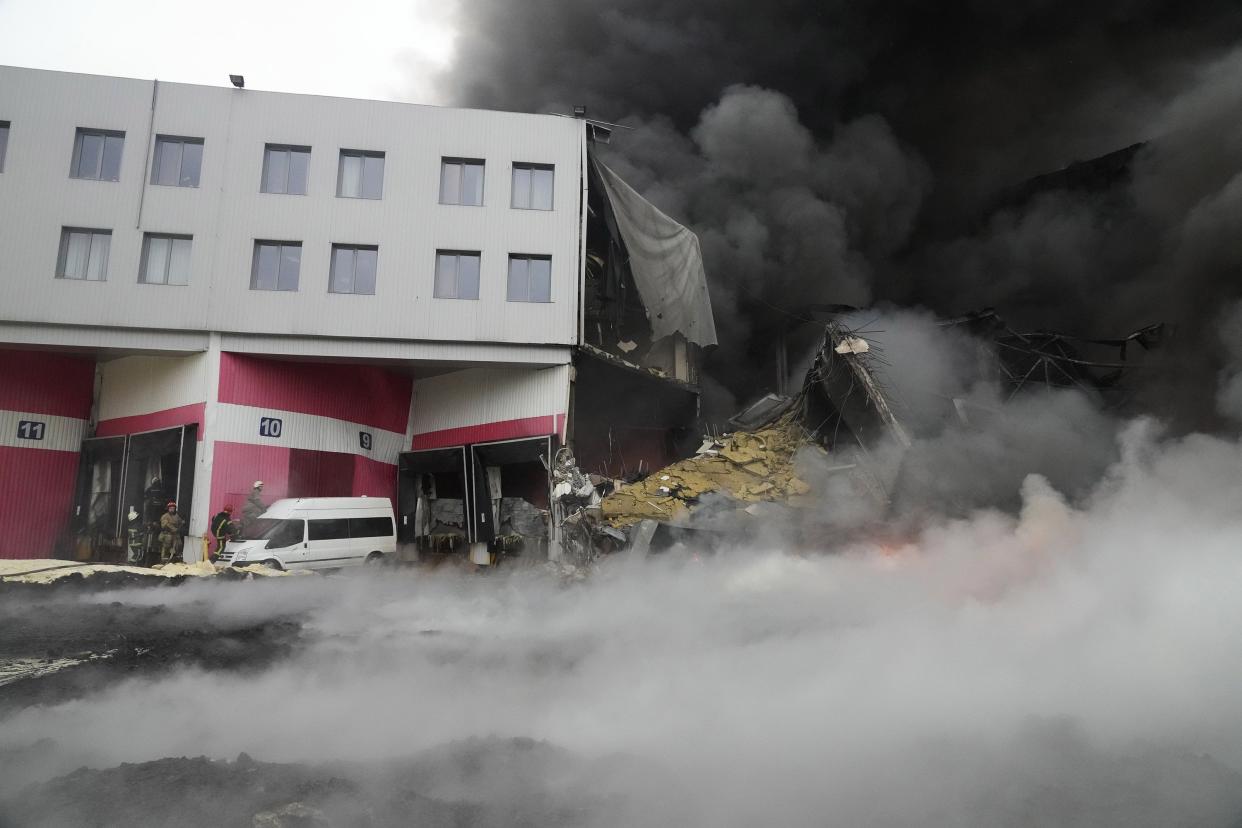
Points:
(48, 571)
(840, 414)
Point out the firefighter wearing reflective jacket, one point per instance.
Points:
(223, 528)
(170, 533)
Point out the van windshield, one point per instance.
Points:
(278, 533)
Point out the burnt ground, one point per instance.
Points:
(43, 625)
(479, 783)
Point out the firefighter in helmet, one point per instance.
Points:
(171, 525)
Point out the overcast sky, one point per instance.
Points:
(387, 49)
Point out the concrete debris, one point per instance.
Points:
(852, 345)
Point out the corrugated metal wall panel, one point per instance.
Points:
(226, 213)
(37, 475)
(143, 384)
(46, 382)
(487, 395)
(354, 393)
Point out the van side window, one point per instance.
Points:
(329, 529)
(372, 527)
(285, 533)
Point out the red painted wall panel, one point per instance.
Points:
(375, 479)
(36, 497)
(364, 394)
(47, 383)
(168, 418)
(294, 473)
(504, 430)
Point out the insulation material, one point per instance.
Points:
(756, 466)
(666, 263)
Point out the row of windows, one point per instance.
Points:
(178, 162)
(277, 265)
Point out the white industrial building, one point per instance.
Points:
(204, 286)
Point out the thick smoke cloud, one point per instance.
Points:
(1071, 664)
(846, 153)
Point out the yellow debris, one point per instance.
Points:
(750, 466)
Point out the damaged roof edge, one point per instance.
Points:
(666, 263)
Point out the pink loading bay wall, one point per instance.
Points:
(37, 484)
(357, 394)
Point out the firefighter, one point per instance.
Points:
(254, 505)
(170, 533)
(136, 536)
(224, 529)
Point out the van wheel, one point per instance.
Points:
(375, 558)
(272, 563)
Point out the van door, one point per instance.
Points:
(327, 543)
(286, 542)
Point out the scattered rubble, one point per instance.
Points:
(51, 571)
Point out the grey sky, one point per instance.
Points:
(387, 49)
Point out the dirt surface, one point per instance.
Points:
(55, 647)
(494, 782)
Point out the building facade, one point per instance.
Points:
(204, 287)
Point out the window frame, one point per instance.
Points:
(457, 254)
(144, 261)
(531, 167)
(75, 160)
(62, 257)
(528, 258)
(280, 257)
(289, 150)
(354, 248)
(183, 140)
(363, 155)
(5, 128)
(447, 161)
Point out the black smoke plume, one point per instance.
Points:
(842, 152)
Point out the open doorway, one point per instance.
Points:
(432, 501)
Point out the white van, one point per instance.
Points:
(318, 533)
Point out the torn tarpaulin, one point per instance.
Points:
(665, 261)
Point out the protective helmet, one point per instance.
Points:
(172, 504)
(258, 484)
(229, 508)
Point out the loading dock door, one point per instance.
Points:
(97, 504)
(427, 476)
(511, 483)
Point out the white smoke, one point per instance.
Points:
(1072, 664)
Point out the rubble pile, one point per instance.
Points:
(747, 466)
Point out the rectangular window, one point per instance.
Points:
(532, 186)
(327, 529)
(83, 254)
(353, 268)
(276, 265)
(457, 274)
(530, 278)
(97, 155)
(177, 161)
(361, 174)
(374, 527)
(4, 143)
(285, 169)
(165, 260)
(461, 181)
